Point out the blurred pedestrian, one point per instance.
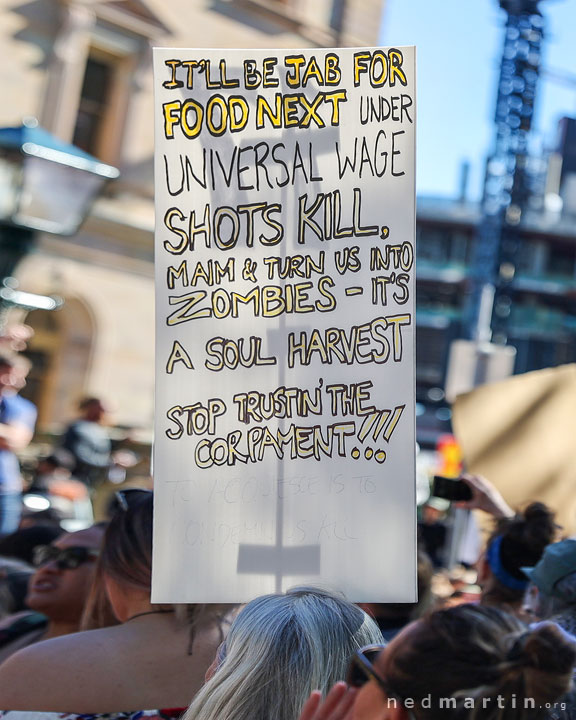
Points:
(57, 591)
(15, 337)
(68, 497)
(14, 577)
(21, 544)
(54, 467)
(17, 422)
(517, 542)
(554, 580)
(433, 530)
(464, 663)
(552, 594)
(88, 440)
(155, 658)
(16, 559)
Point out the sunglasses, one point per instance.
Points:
(125, 498)
(66, 559)
(361, 668)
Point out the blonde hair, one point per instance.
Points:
(279, 649)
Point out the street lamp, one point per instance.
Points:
(46, 185)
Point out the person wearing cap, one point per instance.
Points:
(554, 579)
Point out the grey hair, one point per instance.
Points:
(279, 649)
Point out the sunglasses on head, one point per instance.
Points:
(68, 558)
(361, 668)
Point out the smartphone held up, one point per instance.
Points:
(452, 489)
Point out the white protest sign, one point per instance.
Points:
(285, 215)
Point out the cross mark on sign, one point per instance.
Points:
(272, 559)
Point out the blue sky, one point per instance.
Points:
(458, 49)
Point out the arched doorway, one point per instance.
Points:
(61, 353)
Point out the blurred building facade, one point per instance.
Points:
(540, 320)
(83, 68)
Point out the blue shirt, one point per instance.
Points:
(14, 409)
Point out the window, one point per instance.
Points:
(92, 108)
(527, 257)
(90, 88)
(560, 261)
(431, 352)
(433, 245)
(460, 248)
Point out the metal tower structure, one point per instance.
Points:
(507, 183)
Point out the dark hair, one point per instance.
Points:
(98, 611)
(59, 458)
(21, 543)
(14, 578)
(521, 543)
(126, 558)
(88, 401)
(471, 652)
(127, 550)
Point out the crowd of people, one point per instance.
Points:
(80, 638)
(96, 646)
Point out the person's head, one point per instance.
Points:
(92, 409)
(124, 568)
(434, 510)
(15, 337)
(64, 574)
(518, 542)
(6, 371)
(20, 371)
(50, 516)
(555, 578)
(465, 663)
(22, 543)
(14, 578)
(126, 558)
(58, 460)
(279, 648)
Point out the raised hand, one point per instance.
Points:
(337, 705)
(485, 497)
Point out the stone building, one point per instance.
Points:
(83, 68)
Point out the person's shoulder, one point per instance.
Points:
(68, 648)
(50, 660)
(171, 714)
(74, 426)
(20, 408)
(83, 428)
